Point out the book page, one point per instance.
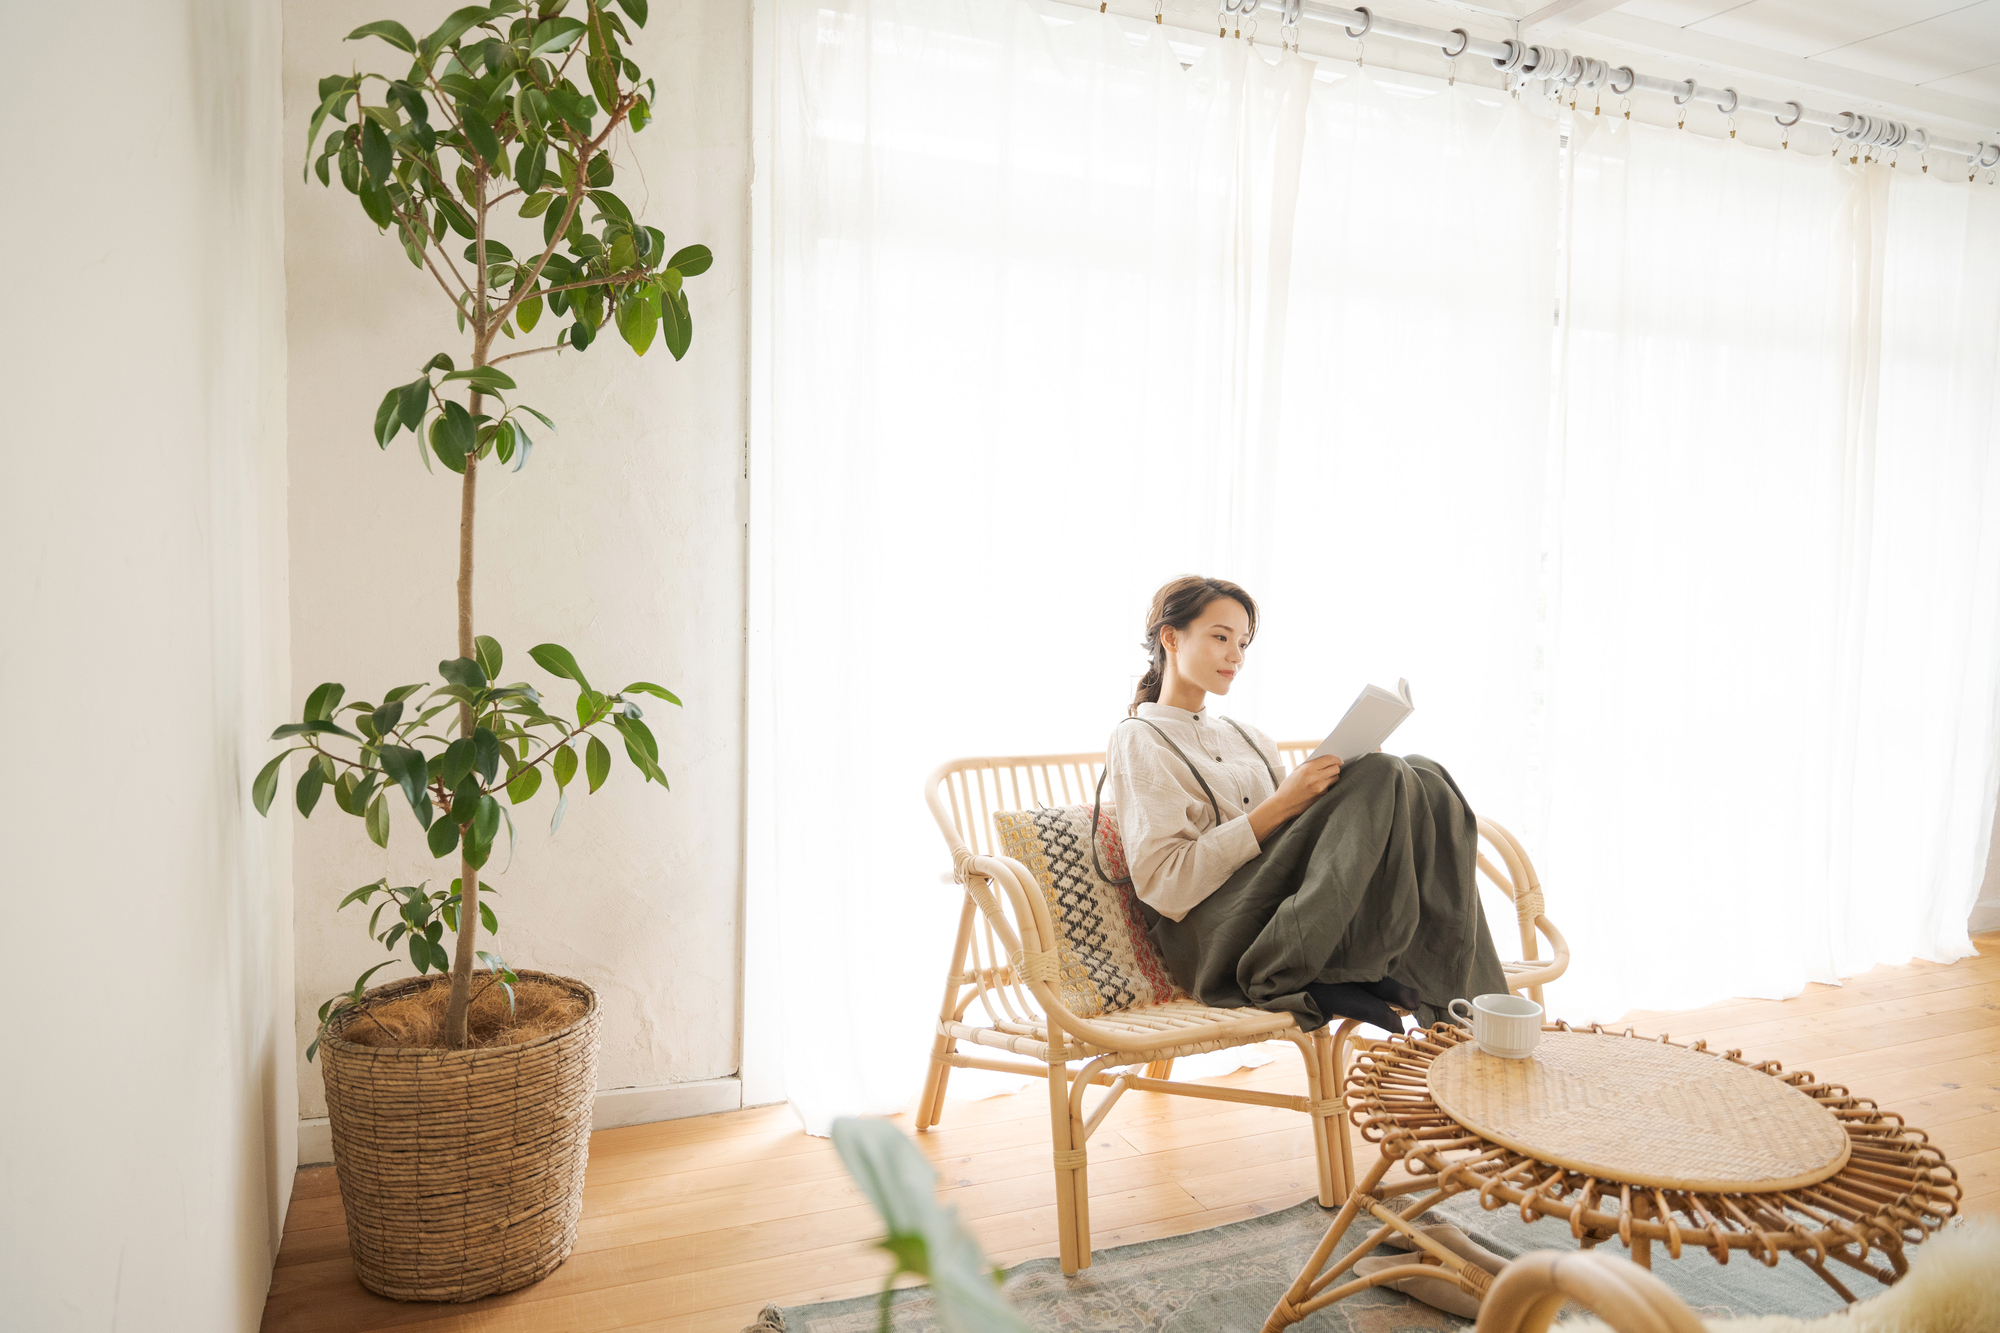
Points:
(1375, 714)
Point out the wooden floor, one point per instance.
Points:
(693, 1224)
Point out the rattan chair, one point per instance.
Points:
(1004, 959)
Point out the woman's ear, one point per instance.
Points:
(1170, 639)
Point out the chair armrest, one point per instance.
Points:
(1530, 1290)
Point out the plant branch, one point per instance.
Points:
(585, 151)
(552, 347)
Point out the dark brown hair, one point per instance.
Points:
(1177, 604)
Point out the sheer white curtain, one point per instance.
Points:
(1059, 303)
(1769, 729)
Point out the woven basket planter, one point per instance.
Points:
(461, 1172)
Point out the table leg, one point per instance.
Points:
(1642, 1252)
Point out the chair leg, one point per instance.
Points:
(1333, 1077)
(930, 1106)
(1160, 1069)
(1068, 1156)
(1323, 1150)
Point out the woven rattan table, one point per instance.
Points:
(1641, 1140)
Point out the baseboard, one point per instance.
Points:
(1985, 917)
(614, 1107)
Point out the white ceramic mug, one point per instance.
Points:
(1504, 1025)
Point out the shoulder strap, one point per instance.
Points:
(1098, 804)
(1275, 781)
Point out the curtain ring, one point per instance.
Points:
(1682, 101)
(1367, 22)
(1993, 148)
(1630, 80)
(1464, 40)
(1797, 112)
(1510, 62)
(1729, 110)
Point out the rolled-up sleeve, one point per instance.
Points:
(1176, 860)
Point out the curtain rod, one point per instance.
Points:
(1561, 69)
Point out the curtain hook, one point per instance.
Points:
(1732, 127)
(1159, 11)
(1597, 107)
(1625, 105)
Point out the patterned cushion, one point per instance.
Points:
(1107, 960)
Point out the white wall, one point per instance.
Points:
(145, 1128)
(622, 539)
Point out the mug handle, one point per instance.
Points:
(1466, 1017)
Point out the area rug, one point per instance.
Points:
(1228, 1278)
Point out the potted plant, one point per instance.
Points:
(460, 1098)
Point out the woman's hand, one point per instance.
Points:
(1301, 787)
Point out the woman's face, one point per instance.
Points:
(1209, 653)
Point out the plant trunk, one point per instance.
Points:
(457, 1010)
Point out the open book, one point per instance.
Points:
(1368, 723)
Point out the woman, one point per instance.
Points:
(1328, 893)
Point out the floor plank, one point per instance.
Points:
(690, 1225)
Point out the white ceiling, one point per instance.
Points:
(1945, 45)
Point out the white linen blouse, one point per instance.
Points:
(1177, 851)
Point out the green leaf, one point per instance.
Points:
(378, 822)
(388, 418)
(637, 322)
(555, 820)
(636, 8)
(464, 671)
(322, 701)
(364, 893)
(485, 754)
(563, 765)
(678, 324)
(487, 379)
(391, 32)
(412, 401)
(266, 785)
(439, 958)
(420, 952)
(456, 763)
(524, 786)
(692, 260)
(442, 361)
(407, 768)
(465, 799)
(537, 204)
(488, 919)
(319, 728)
(648, 687)
(529, 313)
(556, 660)
(455, 27)
(443, 837)
(385, 718)
(558, 34)
(375, 202)
(309, 786)
(460, 221)
(376, 158)
(580, 335)
(531, 167)
(596, 763)
(486, 652)
(480, 832)
(479, 136)
(903, 1187)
